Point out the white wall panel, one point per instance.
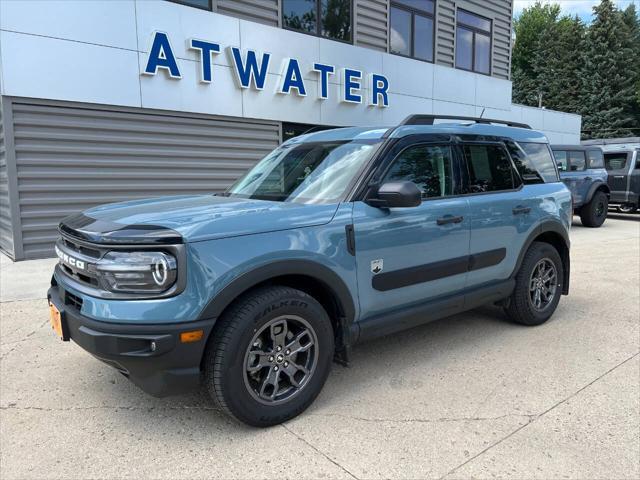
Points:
(408, 77)
(454, 85)
(103, 22)
(66, 70)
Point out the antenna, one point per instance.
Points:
(482, 114)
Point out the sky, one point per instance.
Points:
(582, 8)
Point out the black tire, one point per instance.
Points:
(231, 351)
(594, 213)
(521, 308)
(627, 208)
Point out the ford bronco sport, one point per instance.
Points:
(333, 238)
(582, 170)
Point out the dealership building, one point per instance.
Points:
(104, 101)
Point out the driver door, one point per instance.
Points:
(413, 255)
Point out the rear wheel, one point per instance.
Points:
(538, 286)
(269, 356)
(594, 213)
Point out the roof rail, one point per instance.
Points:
(429, 120)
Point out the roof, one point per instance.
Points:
(578, 148)
(377, 133)
(611, 141)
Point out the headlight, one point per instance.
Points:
(137, 272)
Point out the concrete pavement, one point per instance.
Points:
(470, 396)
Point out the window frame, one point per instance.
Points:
(187, 4)
(466, 173)
(318, 32)
(455, 187)
(475, 31)
(413, 12)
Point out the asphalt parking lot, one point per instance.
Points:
(470, 396)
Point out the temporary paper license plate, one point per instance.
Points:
(56, 320)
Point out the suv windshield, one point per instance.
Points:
(314, 172)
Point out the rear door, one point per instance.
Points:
(502, 212)
(617, 165)
(413, 255)
(574, 175)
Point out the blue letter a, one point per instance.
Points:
(161, 56)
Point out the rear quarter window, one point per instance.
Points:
(534, 162)
(615, 161)
(596, 158)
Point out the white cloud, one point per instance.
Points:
(582, 8)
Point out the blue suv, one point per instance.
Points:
(334, 238)
(582, 170)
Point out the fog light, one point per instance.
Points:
(153, 346)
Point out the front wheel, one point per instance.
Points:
(594, 213)
(538, 286)
(269, 356)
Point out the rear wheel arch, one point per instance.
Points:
(555, 234)
(598, 187)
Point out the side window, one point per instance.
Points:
(615, 161)
(561, 159)
(596, 158)
(534, 162)
(490, 169)
(428, 166)
(577, 161)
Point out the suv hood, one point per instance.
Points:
(191, 218)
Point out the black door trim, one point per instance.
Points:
(405, 277)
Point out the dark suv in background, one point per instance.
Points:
(582, 170)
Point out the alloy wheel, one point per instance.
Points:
(543, 284)
(280, 359)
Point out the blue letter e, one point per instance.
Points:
(161, 56)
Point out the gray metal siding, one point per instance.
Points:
(372, 24)
(6, 234)
(70, 158)
(445, 32)
(261, 11)
(499, 11)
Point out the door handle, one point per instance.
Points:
(520, 210)
(588, 179)
(449, 219)
(618, 176)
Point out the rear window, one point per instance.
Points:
(577, 160)
(489, 169)
(534, 162)
(596, 158)
(615, 161)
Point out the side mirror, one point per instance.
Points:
(397, 194)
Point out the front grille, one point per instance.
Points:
(73, 300)
(81, 249)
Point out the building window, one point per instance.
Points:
(473, 42)
(203, 4)
(411, 32)
(325, 18)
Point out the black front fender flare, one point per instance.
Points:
(595, 187)
(314, 270)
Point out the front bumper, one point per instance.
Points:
(151, 356)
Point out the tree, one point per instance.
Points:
(558, 62)
(608, 81)
(528, 28)
(632, 21)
